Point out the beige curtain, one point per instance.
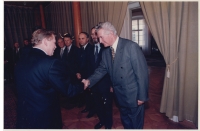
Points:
(94, 12)
(174, 26)
(59, 17)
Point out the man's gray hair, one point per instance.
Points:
(106, 26)
(40, 34)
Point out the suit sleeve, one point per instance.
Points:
(60, 80)
(140, 68)
(98, 73)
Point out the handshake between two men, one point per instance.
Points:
(86, 83)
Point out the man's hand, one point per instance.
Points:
(140, 102)
(78, 75)
(86, 83)
(111, 89)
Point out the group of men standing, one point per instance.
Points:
(93, 72)
(82, 63)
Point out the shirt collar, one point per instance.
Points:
(98, 44)
(99, 47)
(69, 47)
(63, 47)
(114, 46)
(85, 46)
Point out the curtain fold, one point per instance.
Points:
(94, 12)
(59, 17)
(174, 26)
(18, 24)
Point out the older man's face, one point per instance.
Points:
(104, 37)
(83, 40)
(61, 43)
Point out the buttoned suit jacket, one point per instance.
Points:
(128, 72)
(70, 59)
(84, 57)
(39, 79)
(16, 56)
(73, 57)
(64, 55)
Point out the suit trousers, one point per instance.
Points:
(89, 98)
(103, 107)
(132, 117)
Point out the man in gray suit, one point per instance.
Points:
(126, 65)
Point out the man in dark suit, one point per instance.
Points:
(72, 58)
(73, 54)
(16, 53)
(101, 90)
(60, 50)
(39, 78)
(84, 72)
(128, 71)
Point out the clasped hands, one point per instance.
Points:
(86, 83)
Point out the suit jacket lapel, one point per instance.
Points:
(109, 61)
(118, 55)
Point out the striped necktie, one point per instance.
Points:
(113, 53)
(61, 52)
(96, 53)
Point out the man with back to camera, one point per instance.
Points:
(128, 71)
(39, 78)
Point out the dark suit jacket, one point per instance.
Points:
(16, 56)
(57, 54)
(25, 50)
(39, 78)
(102, 86)
(70, 58)
(83, 60)
(129, 73)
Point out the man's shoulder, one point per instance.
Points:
(105, 50)
(89, 46)
(74, 48)
(126, 40)
(40, 55)
(127, 43)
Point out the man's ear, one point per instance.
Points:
(44, 41)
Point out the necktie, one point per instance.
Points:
(82, 50)
(113, 53)
(17, 50)
(61, 52)
(67, 50)
(96, 53)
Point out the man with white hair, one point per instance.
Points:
(128, 71)
(39, 79)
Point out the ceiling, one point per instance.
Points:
(29, 4)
